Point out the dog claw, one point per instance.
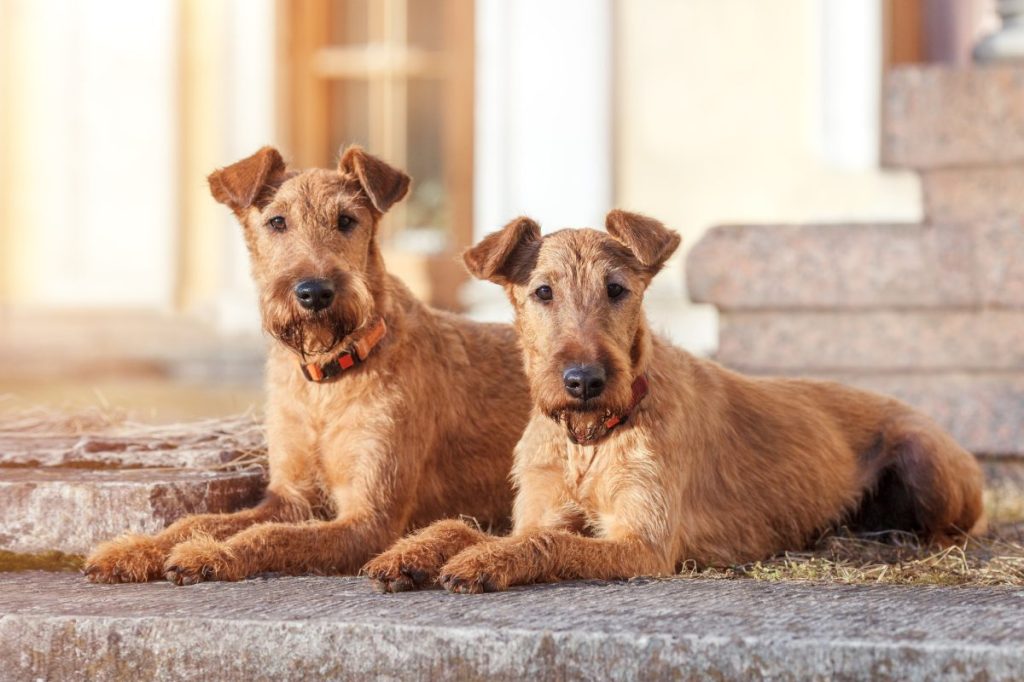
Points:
(417, 576)
(172, 575)
(466, 586)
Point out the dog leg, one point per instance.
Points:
(139, 558)
(415, 561)
(549, 556)
(326, 548)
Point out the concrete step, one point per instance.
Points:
(71, 510)
(55, 626)
(859, 266)
(873, 340)
(936, 117)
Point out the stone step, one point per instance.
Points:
(819, 341)
(71, 510)
(982, 410)
(974, 195)
(56, 626)
(936, 117)
(862, 266)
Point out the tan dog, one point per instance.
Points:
(639, 457)
(382, 414)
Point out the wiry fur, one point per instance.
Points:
(712, 467)
(423, 430)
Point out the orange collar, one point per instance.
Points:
(640, 389)
(348, 358)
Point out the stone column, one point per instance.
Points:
(1006, 44)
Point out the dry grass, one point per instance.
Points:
(994, 559)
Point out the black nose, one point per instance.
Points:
(314, 294)
(584, 381)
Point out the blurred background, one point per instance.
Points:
(122, 282)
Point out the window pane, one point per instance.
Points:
(350, 114)
(425, 24)
(427, 207)
(349, 22)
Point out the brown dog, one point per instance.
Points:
(639, 456)
(382, 414)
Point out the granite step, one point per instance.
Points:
(973, 195)
(56, 626)
(859, 266)
(873, 340)
(939, 117)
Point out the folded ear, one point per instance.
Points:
(650, 241)
(505, 256)
(384, 185)
(249, 182)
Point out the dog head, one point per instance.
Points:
(578, 298)
(312, 241)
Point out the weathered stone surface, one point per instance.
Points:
(35, 450)
(935, 116)
(58, 627)
(872, 340)
(72, 509)
(966, 195)
(740, 267)
(42, 439)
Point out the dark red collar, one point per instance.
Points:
(640, 389)
(356, 353)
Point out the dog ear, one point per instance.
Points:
(649, 240)
(505, 256)
(384, 184)
(246, 183)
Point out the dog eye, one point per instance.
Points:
(346, 222)
(544, 293)
(277, 224)
(615, 290)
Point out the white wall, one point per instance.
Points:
(91, 127)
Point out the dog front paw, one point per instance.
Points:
(475, 571)
(127, 559)
(400, 571)
(200, 560)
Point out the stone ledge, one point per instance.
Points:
(913, 340)
(859, 266)
(935, 116)
(59, 627)
(71, 510)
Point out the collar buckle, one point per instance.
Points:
(348, 358)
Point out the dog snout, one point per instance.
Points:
(584, 381)
(314, 294)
